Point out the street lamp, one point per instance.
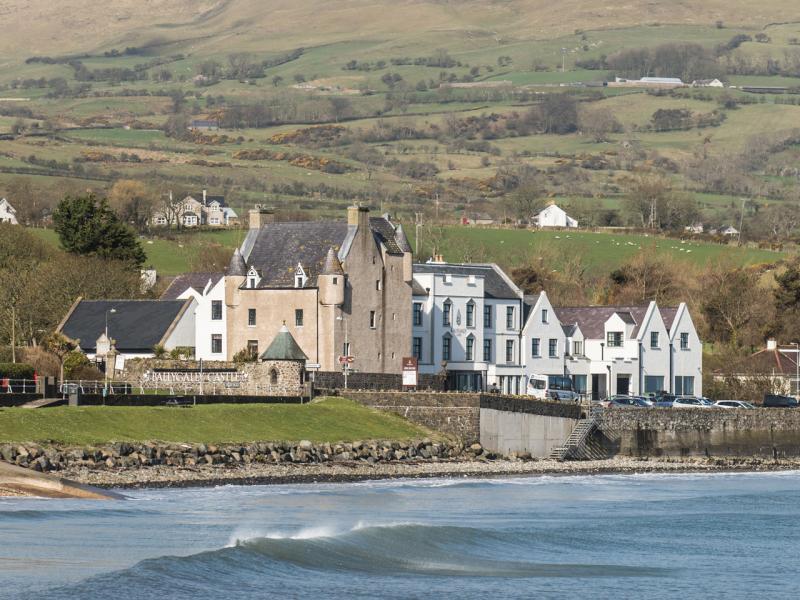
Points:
(796, 368)
(346, 353)
(105, 375)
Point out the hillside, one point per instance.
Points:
(65, 27)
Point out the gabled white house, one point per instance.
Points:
(466, 321)
(544, 340)
(632, 350)
(8, 214)
(554, 216)
(208, 291)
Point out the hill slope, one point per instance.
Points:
(37, 28)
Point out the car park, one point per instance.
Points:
(733, 404)
(627, 402)
(779, 401)
(689, 402)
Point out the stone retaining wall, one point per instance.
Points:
(329, 380)
(763, 432)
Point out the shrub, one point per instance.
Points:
(74, 361)
(16, 370)
(244, 355)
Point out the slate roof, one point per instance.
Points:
(237, 267)
(668, 314)
(332, 264)
(494, 285)
(771, 361)
(417, 289)
(276, 248)
(284, 347)
(592, 319)
(136, 326)
(196, 281)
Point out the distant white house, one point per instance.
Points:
(554, 216)
(715, 83)
(652, 82)
(8, 213)
(694, 228)
(727, 230)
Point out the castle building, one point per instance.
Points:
(342, 288)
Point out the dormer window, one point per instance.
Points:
(300, 276)
(253, 278)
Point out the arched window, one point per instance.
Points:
(470, 314)
(273, 376)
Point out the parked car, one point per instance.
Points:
(689, 402)
(627, 402)
(733, 404)
(779, 401)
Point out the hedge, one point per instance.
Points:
(16, 371)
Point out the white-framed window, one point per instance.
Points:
(470, 314)
(470, 350)
(553, 348)
(509, 351)
(684, 341)
(614, 339)
(216, 343)
(299, 276)
(654, 339)
(213, 221)
(416, 349)
(447, 343)
(298, 317)
(372, 319)
(252, 278)
(577, 348)
(216, 310)
(251, 317)
(487, 350)
(417, 314)
(447, 313)
(487, 316)
(536, 351)
(509, 317)
(544, 315)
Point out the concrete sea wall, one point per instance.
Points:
(764, 432)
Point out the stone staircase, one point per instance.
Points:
(575, 445)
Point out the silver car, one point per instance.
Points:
(733, 404)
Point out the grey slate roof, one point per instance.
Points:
(276, 248)
(494, 286)
(668, 314)
(332, 264)
(183, 282)
(417, 289)
(237, 267)
(283, 347)
(592, 319)
(402, 239)
(137, 325)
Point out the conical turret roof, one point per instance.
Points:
(332, 264)
(237, 265)
(401, 238)
(283, 347)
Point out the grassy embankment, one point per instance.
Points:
(328, 420)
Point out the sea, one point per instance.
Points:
(733, 535)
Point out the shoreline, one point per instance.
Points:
(214, 476)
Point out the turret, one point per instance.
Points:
(408, 259)
(331, 281)
(234, 278)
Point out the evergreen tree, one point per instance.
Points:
(87, 225)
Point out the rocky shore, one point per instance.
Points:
(126, 465)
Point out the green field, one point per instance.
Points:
(326, 420)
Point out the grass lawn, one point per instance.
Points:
(327, 420)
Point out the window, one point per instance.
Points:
(213, 221)
(544, 315)
(417, 314)
(509, 351)
(446, 343)
(447, 309)
(470, 314)
(251, 317)
(346, 349)
(335, 281)
(298, 317)
(684, 386)
(416, 348)
(372, 319)
(553, 348)
(577, 348)
(298, 281)
(684, 341)
(487, 350)
(653, 383)
(251, 282)
(252, 347)
(487, 316)
(216, 343)
(654, 339)
(535, 352)
(299, 276)
(216, 310)
(378, 285)
(579, 383)
(614, 339)
(509, 317)
(470, 347)
(273, 376)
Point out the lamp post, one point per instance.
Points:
(796, 368)
(346, 353)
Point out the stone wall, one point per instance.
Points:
(267, 378)
(764, 432)
(455, 414)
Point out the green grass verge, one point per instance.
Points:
(327, 420)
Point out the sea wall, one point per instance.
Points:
(330, 380)
(456, 414)
(764, 432)
(523, 426)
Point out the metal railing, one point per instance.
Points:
(17, 386)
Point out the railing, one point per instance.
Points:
(17, 386)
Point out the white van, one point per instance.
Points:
(551, 387)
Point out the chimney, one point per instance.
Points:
(358, 216)
(772, 344)
(437, 259)
(259, 217)
(204, 198)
